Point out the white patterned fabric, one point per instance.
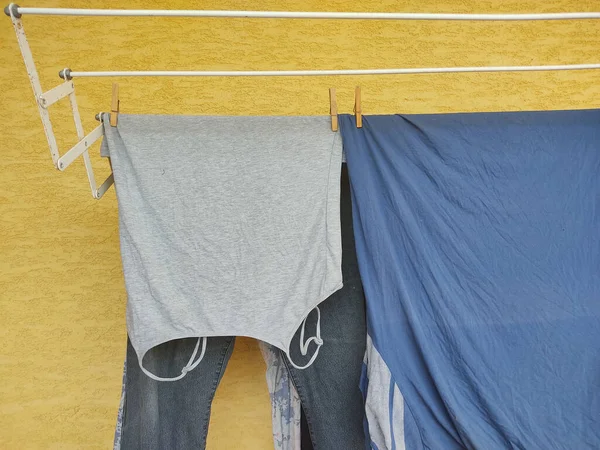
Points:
(285, 403)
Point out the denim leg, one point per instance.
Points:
(329, 388)
(174, 415)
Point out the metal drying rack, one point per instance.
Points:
(67, 88)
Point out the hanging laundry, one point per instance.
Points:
(478, 247)
(329, 389)
(285, 403)
(153, 415)
(156, 415)
(228, 226)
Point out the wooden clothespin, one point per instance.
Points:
(333, 109)
(114, 108)
(357, 107)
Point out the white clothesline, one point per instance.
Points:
(303, 15)
(299, 73)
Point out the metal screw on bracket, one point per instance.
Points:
(61, 165)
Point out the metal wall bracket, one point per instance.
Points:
(45, 99)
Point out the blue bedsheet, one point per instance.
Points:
(478, 238)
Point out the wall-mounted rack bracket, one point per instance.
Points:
(46, 99)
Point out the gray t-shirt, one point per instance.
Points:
(228, 225)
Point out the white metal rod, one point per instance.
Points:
(80, 148)
(104, 186)
(299, 73)
(57, 93)
(36, 86)
(304, 15)
(81, 136)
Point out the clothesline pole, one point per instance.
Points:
(18, 11)
(298, 73)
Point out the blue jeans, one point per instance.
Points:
(175, 415)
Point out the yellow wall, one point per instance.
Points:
(62, 332)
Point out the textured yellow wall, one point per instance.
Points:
(62, 330)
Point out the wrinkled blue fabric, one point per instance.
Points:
(479, 249)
